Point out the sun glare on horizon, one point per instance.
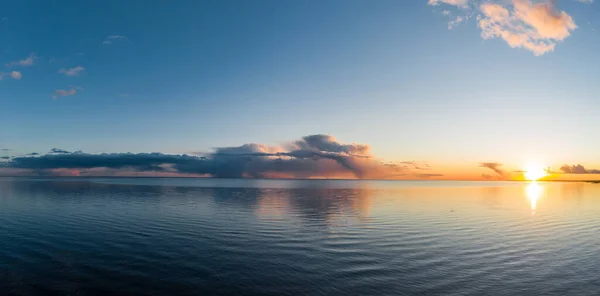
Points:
(534, 172)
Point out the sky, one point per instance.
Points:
(420, 89)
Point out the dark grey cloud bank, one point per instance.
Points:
(59, 151)
(312, 156)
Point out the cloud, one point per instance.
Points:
(494, 166)
(426, 176)
(585, 1)
(28, 61)
(72, 71)
(14, 75)
(113, 38)
(577, 169)
(486, 176)
(416, 165)
(311, 156)
(124, 95)
(459, 3)
(66, 92)
(59, 151)
(455, 22)
(535, 26)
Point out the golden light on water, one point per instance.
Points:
(534, 172)
(534, 191)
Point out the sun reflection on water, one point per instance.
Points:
(534, 191)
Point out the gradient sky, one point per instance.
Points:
(422, 80)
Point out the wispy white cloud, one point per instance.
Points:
(71, 91)
(113, 38)
(72, 71)
(124, 95)
(585, 1)
(460, 3)
(536, 26)
(28, 61)
(459, 19)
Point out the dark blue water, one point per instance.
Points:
(284, 237)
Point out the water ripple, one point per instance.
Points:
(190, 237)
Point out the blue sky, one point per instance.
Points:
(189, 76)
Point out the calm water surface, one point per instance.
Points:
(283, 237)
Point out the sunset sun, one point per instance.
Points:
(534, 172)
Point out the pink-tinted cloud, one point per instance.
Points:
(537, 27)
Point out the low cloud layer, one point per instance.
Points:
(577, 169)
(537, 26)
(320, 156)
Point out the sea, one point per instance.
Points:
(170, 236)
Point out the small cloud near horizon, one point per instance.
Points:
(494, 166)
(577, 169)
